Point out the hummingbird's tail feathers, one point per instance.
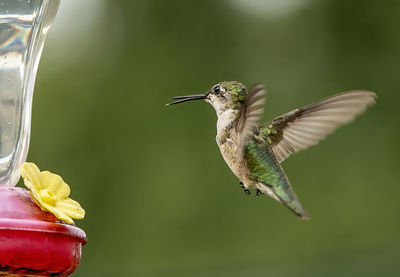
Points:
(290, 200)
(270, 177)
(268, 191)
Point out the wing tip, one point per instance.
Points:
(371, 95)
(367, 98)
(257, 87)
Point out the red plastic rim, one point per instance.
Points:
(40, 226)
(33, 242)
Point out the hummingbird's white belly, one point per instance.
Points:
(229, 153)
(239, 168)
(227, 140)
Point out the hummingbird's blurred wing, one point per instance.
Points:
(304, 127)
(253, 110)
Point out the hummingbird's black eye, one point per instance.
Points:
(217, 89)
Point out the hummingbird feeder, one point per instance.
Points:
(37, 237)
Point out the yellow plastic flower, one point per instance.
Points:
(51, 193)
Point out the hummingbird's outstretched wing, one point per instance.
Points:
(304, 127)
(253, 110)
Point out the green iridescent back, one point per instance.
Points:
(265, 169)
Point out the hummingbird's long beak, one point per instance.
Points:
(187, 98)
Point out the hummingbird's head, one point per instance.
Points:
(222, 96)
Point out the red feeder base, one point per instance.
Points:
(33, 242)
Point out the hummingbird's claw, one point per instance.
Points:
(244, 188)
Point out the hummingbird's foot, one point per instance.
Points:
(244, 188)
(258, 192)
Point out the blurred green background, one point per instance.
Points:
(159, 198)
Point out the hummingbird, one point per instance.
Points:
(254, 152)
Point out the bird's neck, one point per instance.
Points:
(226, 124)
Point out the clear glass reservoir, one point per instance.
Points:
(23, 29)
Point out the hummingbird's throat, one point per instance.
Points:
(226, 123)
